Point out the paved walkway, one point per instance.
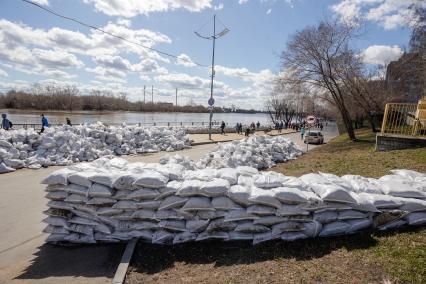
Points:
(204, 138)
(25, 258)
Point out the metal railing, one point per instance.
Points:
(402, 119)
(37, 126)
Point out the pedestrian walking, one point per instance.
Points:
(5, 124)
(247, 134)
(222, 127)
(321, 126)
(44, 123)
(258, 125)
(68, 121)
(237, 128)
(302, 132)
(281, 126)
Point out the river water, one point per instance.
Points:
(145, 118)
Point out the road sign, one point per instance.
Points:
(211, 102)
(310, 119)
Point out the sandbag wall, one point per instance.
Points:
(170, 203)
(66, 145)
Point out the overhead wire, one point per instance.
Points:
(111, 34)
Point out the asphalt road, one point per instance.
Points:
(24, 256)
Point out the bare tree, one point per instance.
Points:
(316, 56)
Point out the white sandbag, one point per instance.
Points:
(168, 215)
(221, 225)
(291, 210)
(250, 227)
(53, 238)
(144, 214)
(334, 228)
(412, 204)
(239, 215)
(56, 221)
(263, 237)
(312, 229)
(362, 184)
(416, 218)
(58, 177)
(150, 179)
(197, 204)
(240, 194)
(358, 224)
(170, 189)
(76, 199)
(101, 201)
(99, 190)
(269, 180)
(81, 178)
(125, 182)
(207, 215)
(392, 225)
(196, 226)
(381, 201)
(105, 178)
(126, 205)
(333, 193)
(81, 229)
(215, 187)
(246, 181)
(399, 189)
(288, 226)
(224, 203)
(56, 195)
(214, 235)
(269, 220)
(144, 194)
(50, 229)
(190, 188)
(173, 225)
(82, 221)
(264, 197)
(107, 211)
(59, 205)
(290, 195)
(351, 214)
(145, 235)
(408, 174)
(246, 171)
(14, 163)
(150, 204)
(162, 237)
(261, 210)
(143, 225)
(325, 216)
(229, 174)
(172, 201)
(76, 189)
(238, 236)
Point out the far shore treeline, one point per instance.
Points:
(69, 98)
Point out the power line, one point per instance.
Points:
(110, 34)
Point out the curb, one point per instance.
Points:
(120, 273)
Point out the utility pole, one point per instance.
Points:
(211, 100)
(152, 94)
(176, 95)
(144, 88)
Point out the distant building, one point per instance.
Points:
(406, 77)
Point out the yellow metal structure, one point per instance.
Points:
(405, 119)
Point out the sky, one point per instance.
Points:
(38, 47)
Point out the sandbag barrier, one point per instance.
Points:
(65, 145)
(172, 202)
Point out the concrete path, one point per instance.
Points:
(25, 258)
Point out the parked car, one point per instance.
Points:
(313, 137)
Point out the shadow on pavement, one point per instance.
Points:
(99, 260)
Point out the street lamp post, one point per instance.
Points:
(211, 100)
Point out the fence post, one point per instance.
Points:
(385, 117)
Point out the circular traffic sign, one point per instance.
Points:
(310, 119)
(211, 102)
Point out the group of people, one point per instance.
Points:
(252, 127)
(7, 124)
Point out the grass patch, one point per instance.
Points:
(342, 156)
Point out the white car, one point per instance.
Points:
(314, 137)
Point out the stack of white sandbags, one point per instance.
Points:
(112, 200)
(66, 145)
(256, 151)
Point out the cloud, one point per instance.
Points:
(185, 60)
(390, 14)
(381, 54)
(41, 2)
(3, 73)
(269, 11)
(241, 2)
(131, 8)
